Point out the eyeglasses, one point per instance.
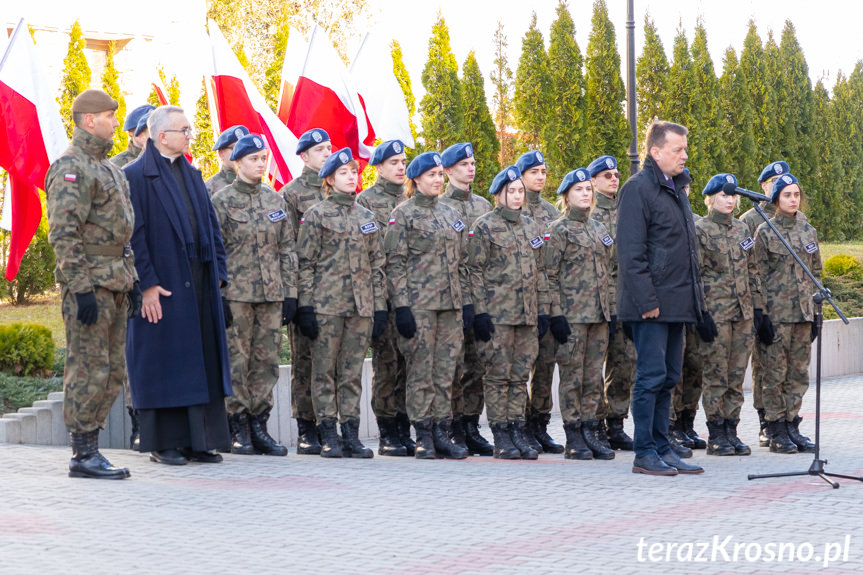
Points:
(611, 175)
(772, 180)
(187, 132)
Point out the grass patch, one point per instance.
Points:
(45, 310)
(829, 249)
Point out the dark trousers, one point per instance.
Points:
(660, 361)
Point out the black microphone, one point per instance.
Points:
(731, 189)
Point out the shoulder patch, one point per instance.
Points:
(391, 222)
(303, 220)
(458, 225)
(811, 248)
(277, 216)
(747, 244)
(536, 242)
(607, 240)
(70, 177)
(369, 227)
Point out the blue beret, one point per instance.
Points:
(248, 145)
(779, 185)
(504, 177)
(575, 176)
(601, 164)
(312, 138)
(231, 136)
(142, 123)
(530, 160)
(335, 161)
(456, 153)
(773, 169)
(717, 183)
(423, 163)
(132, 117)
(385, 150)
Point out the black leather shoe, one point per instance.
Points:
(211, 456)
(672, 460)
(88, 462)
(168, 457)
(652, 464)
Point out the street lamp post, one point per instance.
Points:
(630, 86)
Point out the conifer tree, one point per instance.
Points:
(442, 107)
(273, 73)
(202, 146)
(735, 125)
(753, 68)
(705, 145)
(651, 75)
(826, 204)
(532, 88)
(76, 76)
(404, 79)
(794, 107)
(502, 102)
(678, 95)
(111, 86)
(847, 95)
(479, 127)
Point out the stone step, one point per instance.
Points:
(56, 395)
(44, 416)
(59, 436)
(28, 426)
(10, 430)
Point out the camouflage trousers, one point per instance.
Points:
(467, 385)
(253, 346)
(580, 364)
(724, 367)
(542, 376)
(507, 358)
(388, 366)
(759, 350)
(619, 376)
(687, 392)
(301, 374)
(786, 371)
(431, 356)
(95, 360)
(338, 354)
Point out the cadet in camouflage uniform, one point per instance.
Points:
(577, 263)
(137, 140)
(224, 147)
(509, 287)
(788, 296)
(90, 225)
(262, 294)
(467, 387)
(302, 193)
(732, 289)
(538, 409)
(388, 363)
(342, 287)
(428, 285)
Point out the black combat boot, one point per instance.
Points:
(88, 462)
(801, 441)
(241, 434)
(617, 437)
(688, 418)
(404, 432)
(443, 445)
(476, 443)
(763, 436)
(740, 448)
(601, 433)
(389, 443)
(517, 435)
(779, 440)
(331, 446)
(717, 440)
(351, 444)
(424, 444)
(588, 432)
(503, 447)
(677, 435)
(262, 441)
(529, 432)
(575, 447)
(458, 433)
(307, 438)
(135, 435)
(540, 431)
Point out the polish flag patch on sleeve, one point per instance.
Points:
(391, 222)
(470, 233)
(547, 236)
(71, 177)
(303, 220)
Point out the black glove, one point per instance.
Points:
(88, 309)
(308, 322)
(226, 310)
(813, 332)
(766, 333)
(467, 316)
(757, 318)
(482, 327)
(405, 322)
(560, 329)
(706, 328)
(289, 310)
(612, 327)
(541, 325)
(136, 300)
(627, 332)
(380, 325)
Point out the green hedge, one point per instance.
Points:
(26, 349)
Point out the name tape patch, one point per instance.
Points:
(277, 216)
(369, 227)
(811, 248)
(747, 244)
(607, 240)
(458, 226)
(536, 242)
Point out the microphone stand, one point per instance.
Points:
(817, 467)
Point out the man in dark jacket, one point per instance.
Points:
(659, 289)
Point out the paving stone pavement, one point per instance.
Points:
(391, 516)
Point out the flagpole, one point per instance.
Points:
(11, 41)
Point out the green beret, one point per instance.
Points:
(93, 102)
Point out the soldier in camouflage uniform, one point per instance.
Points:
(388, 363)
(137, 139)
(509, 287)
(467, 387)
(788, 297)
(732, 290)
(577, 263)
(428, 285)
(224, 147)
(539, 404)
(90, 225)
(342, 288)
(302, 193)
(262, 265)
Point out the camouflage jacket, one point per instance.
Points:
(341, 259)
(90, 218)
(128, 155)
(507, 271)
(382, 198)
(752, 219)
(787, 289)
(426, 255)
(539, 209)
(469, 205)
(578, 252)
(259, 243)
(220, 180)
(729, 267)
(301, 194)
(605, 212)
